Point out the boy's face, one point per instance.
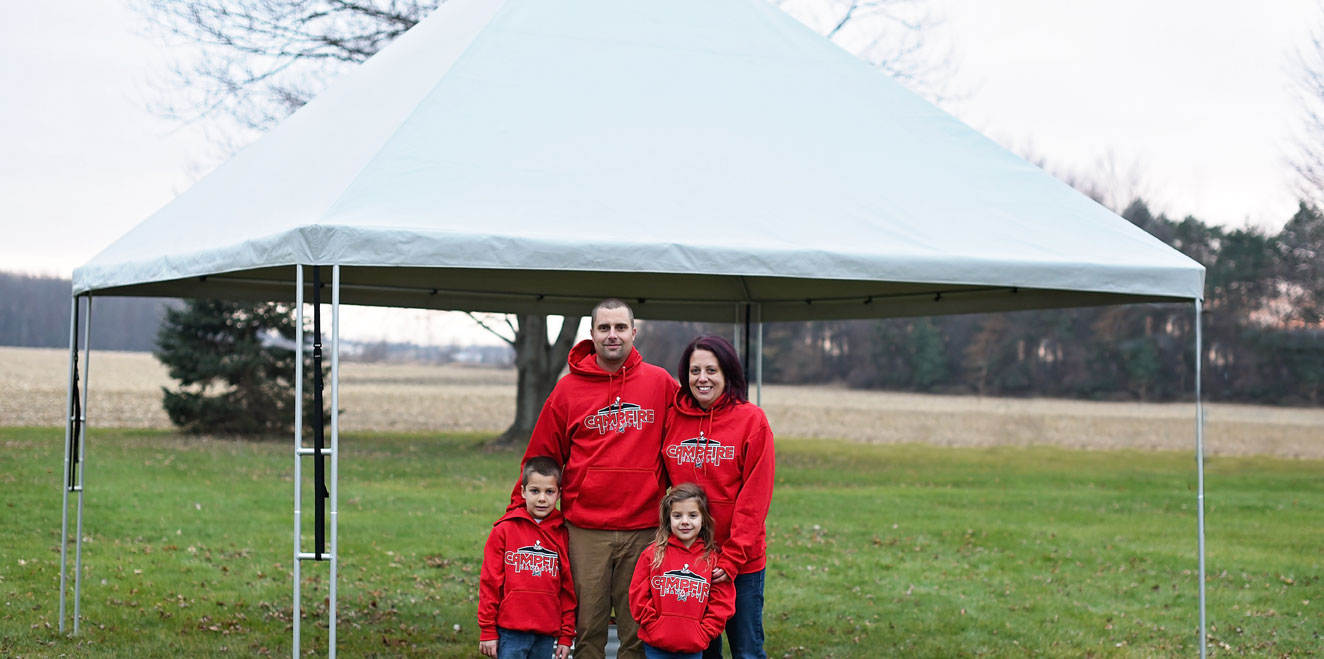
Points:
(540, 495)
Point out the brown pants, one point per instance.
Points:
(602, 563)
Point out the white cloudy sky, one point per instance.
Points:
(1192, 97)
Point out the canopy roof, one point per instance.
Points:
(690, 155)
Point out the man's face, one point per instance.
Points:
(613, 337)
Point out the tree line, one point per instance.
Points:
(1263, 331)
(34, 313)
(1262, 322)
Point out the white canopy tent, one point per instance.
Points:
(695, 157)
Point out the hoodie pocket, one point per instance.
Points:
(676, 634)
(618, 498)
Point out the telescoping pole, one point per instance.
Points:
(335, 447)
(66, 481)
(298, 444)
(80, 460)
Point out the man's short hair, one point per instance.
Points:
(543, 466)
(611, 303)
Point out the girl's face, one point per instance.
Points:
(707, 382)
(686, 520)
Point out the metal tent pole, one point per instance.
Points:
(758, 357)
(746, 350)
(68, 436)
(82, 460)
(298, 444)
(1199, 470)
(335, 444)
(735, 330)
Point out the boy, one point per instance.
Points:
(526, 598)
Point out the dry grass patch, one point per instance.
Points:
(890, 418)
(126, 392)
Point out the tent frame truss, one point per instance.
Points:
(748, 337)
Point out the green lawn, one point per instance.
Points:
(874, 550)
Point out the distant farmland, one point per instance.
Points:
(126, 392)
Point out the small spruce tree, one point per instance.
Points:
(234, 376)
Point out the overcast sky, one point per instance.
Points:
(1193, 98)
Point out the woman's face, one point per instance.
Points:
(707, 382)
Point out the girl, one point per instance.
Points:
(672, 595)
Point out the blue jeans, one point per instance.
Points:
(651, 652)
(513, 644)
(744, 631)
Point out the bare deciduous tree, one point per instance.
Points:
(253, 62)
(1308, 156)
(901, 38)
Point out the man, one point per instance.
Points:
(604, 422)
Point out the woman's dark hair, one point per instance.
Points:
(734, 374)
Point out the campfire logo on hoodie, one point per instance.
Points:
(682, 584)
(535, 559)
(700, 450)
(620, 417)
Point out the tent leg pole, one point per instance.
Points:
(298, 444)
(735, 329)
(746, 350)
(758, 360)
(68, 436)
(1199, 470)
(82, 460)
(335, 446)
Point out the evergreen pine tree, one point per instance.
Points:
(233, 378)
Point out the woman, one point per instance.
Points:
(717, 438)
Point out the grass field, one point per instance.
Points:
(875, 550)
(943, 527)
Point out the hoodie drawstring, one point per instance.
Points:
(706, 439)
(614, 403)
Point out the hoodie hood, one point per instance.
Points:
(552, 523)
(684, 404)
(583, 360)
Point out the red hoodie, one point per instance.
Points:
(677, 606)
(606, 428)
(525, 584)
(728, 450)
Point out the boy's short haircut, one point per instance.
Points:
(543, 466)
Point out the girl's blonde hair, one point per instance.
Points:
(682, 492)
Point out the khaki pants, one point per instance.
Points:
(602, 563)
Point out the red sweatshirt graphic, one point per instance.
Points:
(525, 584)
(606, 428)
(727, 449)
(677, 606)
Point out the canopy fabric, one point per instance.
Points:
(691, 155)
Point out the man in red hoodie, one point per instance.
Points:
(604, 421)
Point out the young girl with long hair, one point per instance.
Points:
(672, 595)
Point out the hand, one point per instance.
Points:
(488, 648)
(563, 652)
(719, 575)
